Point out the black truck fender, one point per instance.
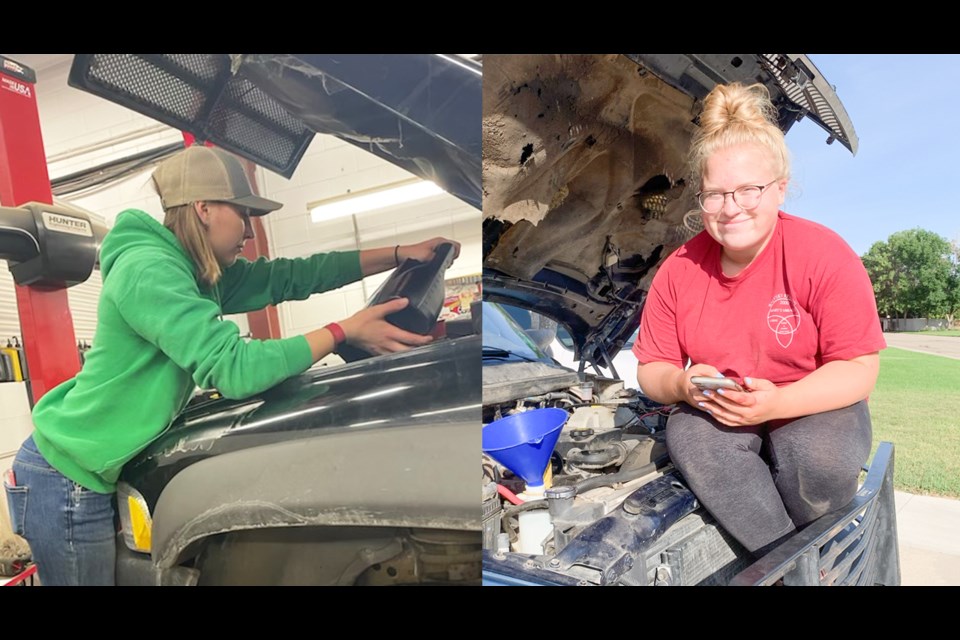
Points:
(402, 476)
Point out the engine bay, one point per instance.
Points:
(611, 508)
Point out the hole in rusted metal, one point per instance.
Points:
(527, 152)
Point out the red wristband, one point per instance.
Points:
(339, 337)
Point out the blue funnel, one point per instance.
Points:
(524, 441)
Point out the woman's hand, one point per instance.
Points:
(690, 393)
(424, 251)
(385, 258)
(759, 403)
(668, 384)
(834, 385)
(369, 329)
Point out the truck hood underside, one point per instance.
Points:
(585, 175)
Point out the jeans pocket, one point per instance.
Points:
(17, 506)
(79, 493)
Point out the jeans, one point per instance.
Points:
(71, 529)
(763, 482)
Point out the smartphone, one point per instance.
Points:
(706, 382)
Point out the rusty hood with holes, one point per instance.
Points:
(586, 186)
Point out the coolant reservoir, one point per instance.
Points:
(598, 418)
(535, 524)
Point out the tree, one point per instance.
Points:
(887, 287)
(914, 274)
(955, 279)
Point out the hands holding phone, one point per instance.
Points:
(734, 405)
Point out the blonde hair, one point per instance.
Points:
(185, 224)
(738, 114)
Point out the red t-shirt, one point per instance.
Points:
(804, 301)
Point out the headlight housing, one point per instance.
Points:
(134, 518)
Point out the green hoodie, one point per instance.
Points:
(159, 334)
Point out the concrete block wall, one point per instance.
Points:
(333, 168)
(81, 131)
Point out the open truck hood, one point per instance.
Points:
(586, 185)
(418, 111)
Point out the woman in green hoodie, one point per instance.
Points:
(160, 335)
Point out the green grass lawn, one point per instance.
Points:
(916, 405)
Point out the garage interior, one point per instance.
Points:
(99, 157)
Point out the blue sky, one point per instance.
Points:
(906, 173)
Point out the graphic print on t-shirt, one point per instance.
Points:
(783, 318)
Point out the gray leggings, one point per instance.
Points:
(763, 482)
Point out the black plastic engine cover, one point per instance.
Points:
(422, 284)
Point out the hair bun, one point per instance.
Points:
(738, 114)
(736, 104)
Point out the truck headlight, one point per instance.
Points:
(134, 518)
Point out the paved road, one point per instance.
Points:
(948, 346)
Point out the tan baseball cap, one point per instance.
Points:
(207, 173)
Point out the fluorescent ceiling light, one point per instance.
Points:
(459, 58)
(372, 199)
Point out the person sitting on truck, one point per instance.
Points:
(784, 307)
(160, 334)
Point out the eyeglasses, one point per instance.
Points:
(745, 197)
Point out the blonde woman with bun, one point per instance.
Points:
(784, 307)
(160, 334)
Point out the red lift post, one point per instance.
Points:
(264, 323)
(49, 343)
